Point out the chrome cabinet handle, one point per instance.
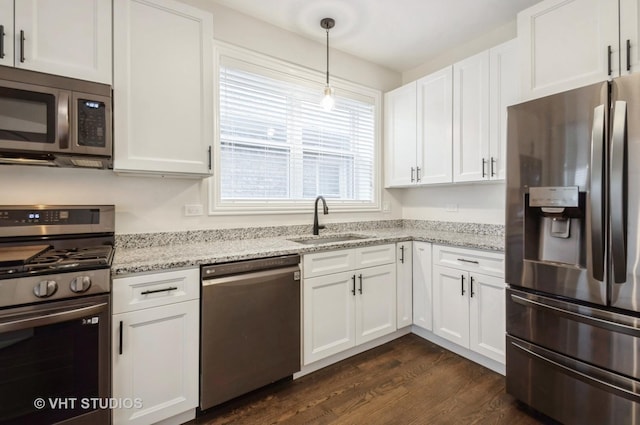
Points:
(360, 288)
(596, 183)
(155, 291)
(471, 283)
(493, 163)
(413, 170)
(484, 162)
(2, 41)
(628, 55)
(209, 157)
(462, 291)
(402, 254)
(418, 174)
(618, 197)
(609, 70)
(353, 288)
(22, 46)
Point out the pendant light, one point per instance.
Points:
(327, 100)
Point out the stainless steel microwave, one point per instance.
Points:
(56, 121)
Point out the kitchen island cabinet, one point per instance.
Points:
(163, 88)
(349, 298)
(155, 324)
(82, 47)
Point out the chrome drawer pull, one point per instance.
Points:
(155, 291)
(468, 261)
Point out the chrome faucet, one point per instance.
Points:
(316, 226)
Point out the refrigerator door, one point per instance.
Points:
(624, 193)
(556, 202)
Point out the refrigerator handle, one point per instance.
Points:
(618, 189)
(596, 195)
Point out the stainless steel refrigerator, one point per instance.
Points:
(573, 253)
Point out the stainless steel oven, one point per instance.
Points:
(55, 314)
(52, 120)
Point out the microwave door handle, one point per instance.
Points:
(63, 120)
(596, 195)
(618, 203)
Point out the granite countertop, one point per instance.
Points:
(178, 253)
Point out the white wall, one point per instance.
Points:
(478, 203)
(148, 204)
(493, 38)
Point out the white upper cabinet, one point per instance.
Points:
(400, 135)
(566, 44)
(435, 117)
(73, 40)
(629, 36)
(6, 32)
(471, 118)
(504, 85)
(163, 88)
(484, 86)
(418, 120)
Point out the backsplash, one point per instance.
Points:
(143, 240)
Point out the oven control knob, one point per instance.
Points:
(45, 288)
(80, 284)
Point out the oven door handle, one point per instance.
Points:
(37, 319)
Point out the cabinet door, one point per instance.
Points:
(404, 284)
(163, 88)
(6, 32)
(422, 288)
(74, 40)
(487, 316)
(400, 135)
(434, 126)
(629, 36)
(504, 86)
(471, 118)
(159, 362)
(451, 305)
(328, 304)
(375, 302)
(564, 44)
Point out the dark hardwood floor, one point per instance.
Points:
(407, 381)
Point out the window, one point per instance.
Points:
(277, 149)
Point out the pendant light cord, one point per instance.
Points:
(327, 56)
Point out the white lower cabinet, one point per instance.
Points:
(349, 307)
(422, 292)
(404, 284)
(468, 306)
(155, 346)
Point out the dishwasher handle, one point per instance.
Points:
(248, 277)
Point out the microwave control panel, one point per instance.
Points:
(92, 123)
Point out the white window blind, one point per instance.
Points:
(277, 144)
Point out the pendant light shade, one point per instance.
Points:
(328, 100)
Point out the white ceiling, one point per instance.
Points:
(397, 34)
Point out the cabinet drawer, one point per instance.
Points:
(328, 262)
(491, 263)
(152, 290)
(376, 255)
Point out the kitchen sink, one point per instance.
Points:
(317, 240)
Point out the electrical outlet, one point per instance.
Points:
(386, 207)
(191, 210)
(451, 207)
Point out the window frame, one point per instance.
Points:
(309, 78)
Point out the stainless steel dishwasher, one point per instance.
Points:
(250, 326)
